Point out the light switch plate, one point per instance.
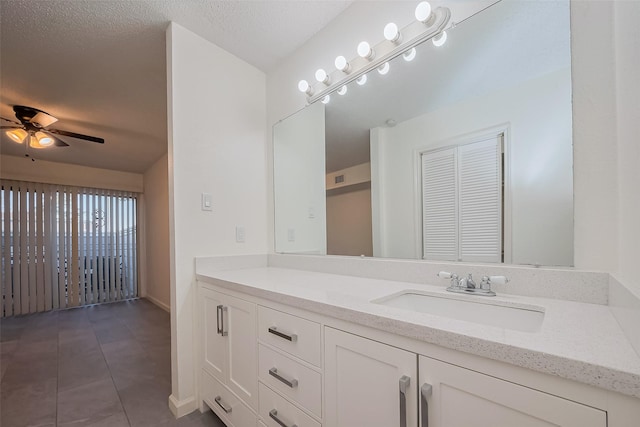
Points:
(207, 202)
(240, 235)
(291, 234)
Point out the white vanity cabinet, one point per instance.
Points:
(264, 363)
(373, 384)
(228, 338)
(451, 396)
(368, 383)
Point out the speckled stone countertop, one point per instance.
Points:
(578, 341)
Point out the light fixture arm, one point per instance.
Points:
(414, 34)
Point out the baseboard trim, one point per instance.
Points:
(159, 303)
(182, 408)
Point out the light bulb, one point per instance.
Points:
(326, 99)
(34, 143)
(342, 90)
(365, 51)
(409, 55)
(17, 135)
(322, 76)
(44, 139)
(305, 87)
(362, 79)
(440, 39)
(391, 33)
(342, 64)
(384, 68)
(423, 11)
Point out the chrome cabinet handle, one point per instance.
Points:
(222, 331)
(288, 337)
(425, 392)
(293, 383)
(404, 386)
(273, 414)
(218, 311)
(226, 408)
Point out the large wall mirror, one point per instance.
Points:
(461, 152)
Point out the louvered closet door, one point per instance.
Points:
(480, 201)
(440, 205)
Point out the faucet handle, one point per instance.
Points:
(487, 281)
(499, 280)
(445, 275)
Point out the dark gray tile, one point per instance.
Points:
(33, 404)
(29, 368)
(146, 403)
(116, 331)
(88, 404)
(82, 368)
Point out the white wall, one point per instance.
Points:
(349, 220)
(595, 186)
(156, 226)
(627, 37)
(299, 190)
(538, 116)
(23, 169)
(216, 120)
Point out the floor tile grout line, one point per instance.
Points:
(124, 410)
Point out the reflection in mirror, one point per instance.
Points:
(463, 153)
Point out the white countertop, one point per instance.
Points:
(577, 341)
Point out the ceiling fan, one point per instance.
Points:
(33, 126)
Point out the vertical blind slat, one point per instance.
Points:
(112, 253)
(17, 295)
(94, 248)
(48, 274)
(31, 224)
(24, 266)
(8, 231)
(39, 252)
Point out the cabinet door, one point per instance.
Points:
(215, 348)
(460, 397)
(368, 383)
(240, 325)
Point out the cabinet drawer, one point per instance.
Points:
(224, 403)
(274, 405)
(292, 334)
(290, 378)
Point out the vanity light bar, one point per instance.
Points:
(376, 56)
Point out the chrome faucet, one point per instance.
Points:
(467, 285)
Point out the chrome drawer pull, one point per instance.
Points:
(293, 383)
(220, 311)
(425, 392)
(274, 416)
(226, 408)
(403, 386)
(288, 337)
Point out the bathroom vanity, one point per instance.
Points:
(282, 347)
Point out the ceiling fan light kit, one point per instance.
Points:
(34, 125)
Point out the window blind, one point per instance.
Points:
(66, 246)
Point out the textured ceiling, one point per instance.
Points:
(99, 65)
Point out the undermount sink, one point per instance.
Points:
(519, 317)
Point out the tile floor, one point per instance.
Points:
(100, 366)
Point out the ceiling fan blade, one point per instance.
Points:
(76, 135)
(11, 127)
(56, 141)
(10, 121)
